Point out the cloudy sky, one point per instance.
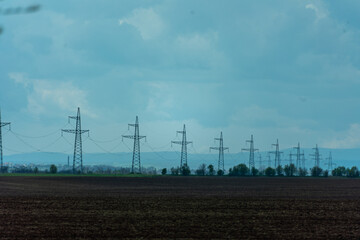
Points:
(275, 69)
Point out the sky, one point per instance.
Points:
(287, 70)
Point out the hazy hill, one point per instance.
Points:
(344, 157)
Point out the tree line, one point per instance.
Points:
(288, 170)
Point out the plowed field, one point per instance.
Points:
(179, 207)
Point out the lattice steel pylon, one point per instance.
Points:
(303, 160)
(298, 156)
(277, 153)
(78, 155)
(330, 162)
(252, 151)
(136, 161)
(2, 124)
(184, 143)
(316, 156)
(221, 149)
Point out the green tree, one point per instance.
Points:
(53, 169)
(303, 172)
(36, 170)
(326, 173)
(164, 171)
(211, 170)
(270, 172)
(175, 171)
(279, 171)
(352, 172)
(316, 171)
(254, 171)
(185, 170)
(289, 170)
(220, 172)
(239, 170)
(339, 171)
(201, 171)
(4, 169)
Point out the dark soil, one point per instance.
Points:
(179, 207)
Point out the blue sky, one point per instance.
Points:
(275, 69)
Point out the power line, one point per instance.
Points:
(42, 136)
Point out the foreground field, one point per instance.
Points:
(179, 207)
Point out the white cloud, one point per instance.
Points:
(45, 95)
(319, 12)
(160, 100)
(146, 21)
(347, 139)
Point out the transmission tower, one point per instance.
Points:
(221, 149)
(303, 160)
(78, 156)
(2, 124)
(269, 160)
(290, 157)
(277, 154)
(261, 166)
(252, 151)
(298, 156)
(184, 143)
(136, 164)
(316, 156)
(330, 163)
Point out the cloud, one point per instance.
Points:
(160, 100)
(45, 96)
(319, 12)
(146, 21)
(348, 139)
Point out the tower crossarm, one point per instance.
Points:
(274, 152)
(74, 131)
(180, 142)
(73, 117)
(133, 137)
(219, 148)
(3, 124)
(249, 149)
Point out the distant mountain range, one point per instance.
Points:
(342, 157)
